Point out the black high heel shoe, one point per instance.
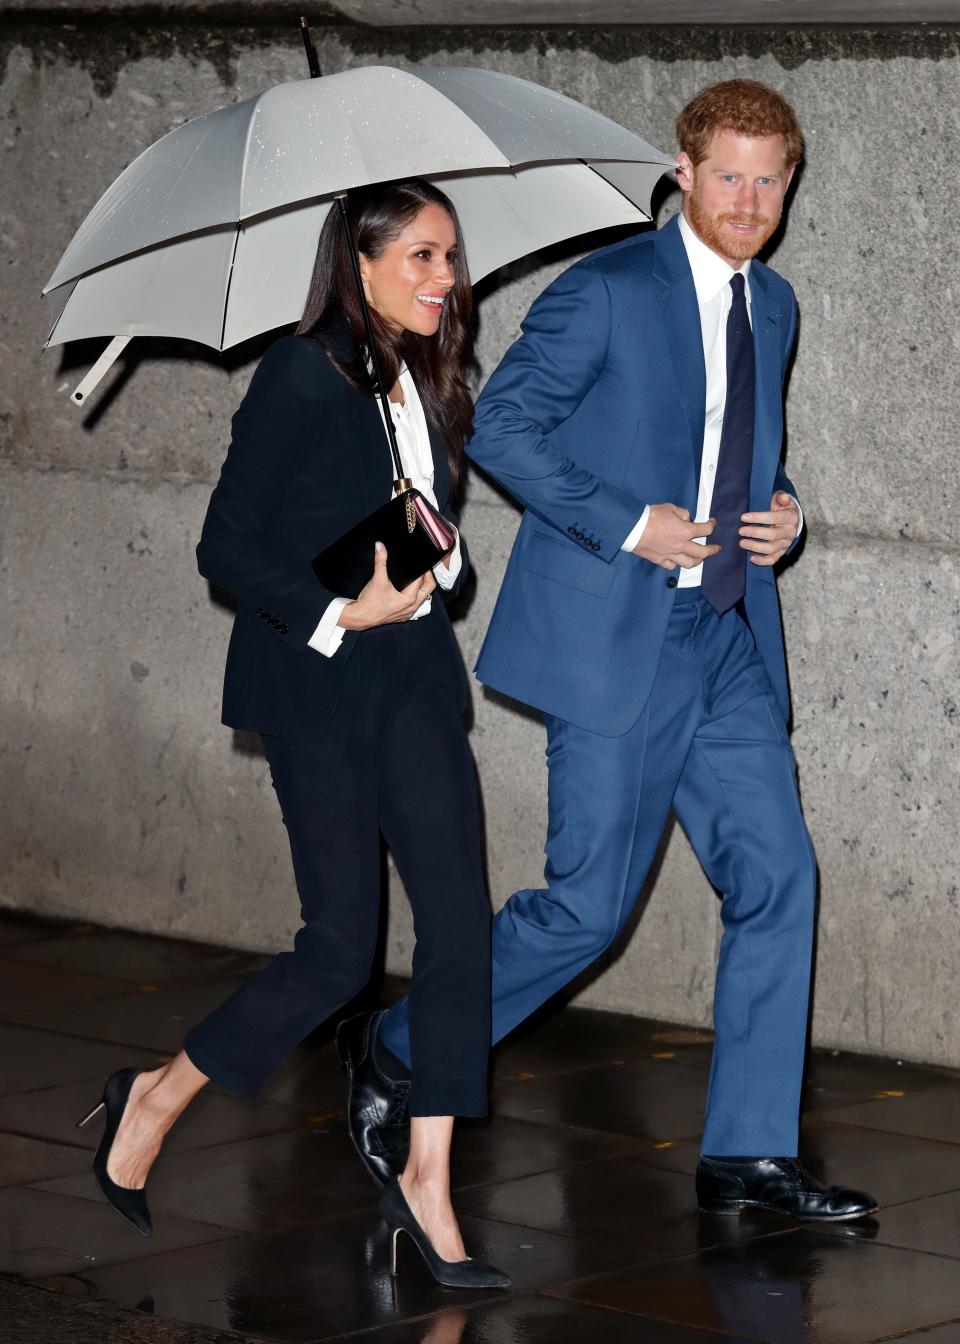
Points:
(451, 1273)
(131, 1203)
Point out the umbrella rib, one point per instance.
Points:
(226, 297)
(244, 163)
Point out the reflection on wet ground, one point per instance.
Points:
(580, 1185)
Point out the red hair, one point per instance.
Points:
(742, 105)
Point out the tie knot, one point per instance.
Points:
(737, 285)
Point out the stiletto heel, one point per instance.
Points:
(451, 1273)
(132, 1204)
(100, 1106)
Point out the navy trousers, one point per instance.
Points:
(394, 759)
(711, 743)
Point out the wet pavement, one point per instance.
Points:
(580, 1185)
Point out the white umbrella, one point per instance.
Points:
(210, 234)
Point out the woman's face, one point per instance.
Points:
(409, 282)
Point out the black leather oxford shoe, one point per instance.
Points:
(378, 1115)
(729, 1184)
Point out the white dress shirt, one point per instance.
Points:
(416, 456)
(711, 280)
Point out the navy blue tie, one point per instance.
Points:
(725, 574)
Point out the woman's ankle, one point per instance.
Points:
(159, 1102)
(430, 1185)
(170, 1089)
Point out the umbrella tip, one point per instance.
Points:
(312, 62)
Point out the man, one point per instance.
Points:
(646, 391)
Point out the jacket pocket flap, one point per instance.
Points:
(560, 560)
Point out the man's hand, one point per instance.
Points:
(380, 603)
(668, 538)
(771, 534)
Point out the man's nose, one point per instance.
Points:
(747, 198)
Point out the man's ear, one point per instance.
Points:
(684, 171)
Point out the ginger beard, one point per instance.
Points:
(714, 228)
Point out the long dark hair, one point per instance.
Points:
(376, 216)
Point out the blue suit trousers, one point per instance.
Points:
(712, 744)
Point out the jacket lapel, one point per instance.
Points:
(342, 344)
(681, 324)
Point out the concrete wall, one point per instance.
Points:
(126, 802)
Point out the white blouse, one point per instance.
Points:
(416, 456)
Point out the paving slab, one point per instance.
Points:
(43, 1233)
(803, 1287)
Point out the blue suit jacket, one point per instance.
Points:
(308, 459)
(596, 411)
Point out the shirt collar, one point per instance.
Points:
(710, 272)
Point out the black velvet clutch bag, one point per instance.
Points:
(416, 537)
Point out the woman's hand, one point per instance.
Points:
(380, 603)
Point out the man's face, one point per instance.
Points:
(734, 197)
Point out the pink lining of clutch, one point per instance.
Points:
(437, 528)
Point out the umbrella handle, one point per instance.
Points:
(372, 345)
(109, 357)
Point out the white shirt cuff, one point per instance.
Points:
(631, 542)
(445, 577)
(327, 636)
(800, 511)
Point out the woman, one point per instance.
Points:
(358, 704)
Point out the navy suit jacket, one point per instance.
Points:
(596, 411)
(307, 460)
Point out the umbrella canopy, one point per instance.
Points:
(210, 234)
(221, 286)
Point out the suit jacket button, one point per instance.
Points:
(671, 582)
